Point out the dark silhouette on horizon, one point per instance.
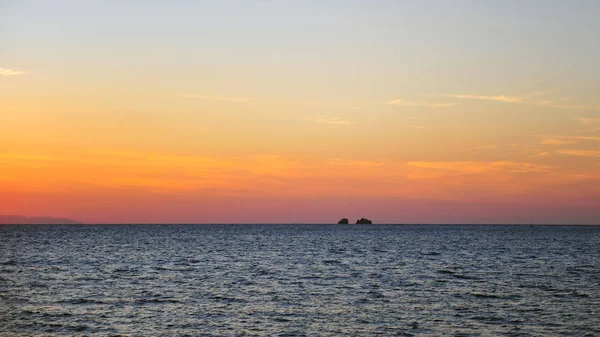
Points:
(361, 221)
(36, 220)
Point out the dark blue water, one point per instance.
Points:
(300, 280)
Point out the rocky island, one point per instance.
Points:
(361, 221)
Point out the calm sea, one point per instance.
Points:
(299, 280)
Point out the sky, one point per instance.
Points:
(301, 111)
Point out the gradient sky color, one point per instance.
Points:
(301, 111)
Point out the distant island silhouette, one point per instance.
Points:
(361, 221)
(36, 220)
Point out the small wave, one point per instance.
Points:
(261, 272)
(9, 263)
(77, 328)
(281, 319)
(332, 262)
(311, 277)
(337, 250)
(81, 301)
(88, 278)
(156, 300)
(456, 275)
(571, 294)
(493, 296)
(31, 312)
(61, 314)
(376, 294)
(193, 261)
(124, 271)
(228, 299)
(35, 284)
(488, 318)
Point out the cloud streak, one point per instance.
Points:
(401, 102)
(541, 154)
(584, 138)
(563, 140)
(554, 141)
(552, 104)
(471, 167)
(331, 120)
(216, 98)
(585, 120)
(11, 72)
(498, 98)
(580, 153)
(526, 99)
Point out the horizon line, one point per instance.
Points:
(296, 223)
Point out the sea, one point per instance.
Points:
(299, 280)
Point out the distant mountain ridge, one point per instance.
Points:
(35, 220)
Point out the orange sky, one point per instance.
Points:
(248, 113)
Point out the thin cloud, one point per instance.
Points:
(517, 167)
(584, 138)
(11, 72)
(581, 153)
(470, 167)
(486, 147)
(331, 120)
(568, 106)
(526, 99)
(499, 98)
(355, 163)
(585, 120)
(17, 156)
(554, 141)
(216, 98)
(564, 140)
(541, 154)
(402, 102)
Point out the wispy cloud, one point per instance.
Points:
(554, 141)
(402, 102)
(586, 120)
(17, 156)
(517, 167)
(11, 72)
(355, 163)
(486, 147)
(584, 138)
(527, 99)
(541, 154)
(499, 98)
(331, 120)
(553, 104)
(471, 167)
(582, 153)
(216, 98)
(564, 140)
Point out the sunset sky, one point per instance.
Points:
(301, 111)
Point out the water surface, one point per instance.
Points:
(299, 280)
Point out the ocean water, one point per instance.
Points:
(299, 280)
